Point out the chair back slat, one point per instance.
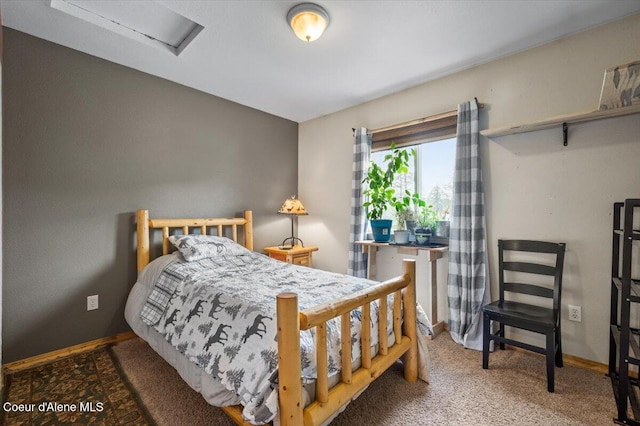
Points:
(530, 268)
(531, 246)
(534, 290)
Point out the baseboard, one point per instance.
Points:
(33, 361)
(574, 361)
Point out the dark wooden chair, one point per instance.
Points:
(527, 316)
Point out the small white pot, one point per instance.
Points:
(401, 237)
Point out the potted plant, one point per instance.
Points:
(411, 221)
(427, 222)
(380, 192)
(406, 215)
(401, 234)
(443, 225)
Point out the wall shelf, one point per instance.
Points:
(560, 120)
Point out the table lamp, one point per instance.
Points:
(292, 207)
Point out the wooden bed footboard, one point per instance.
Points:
(291, 321)
(328, 401)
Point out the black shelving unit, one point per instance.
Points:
(624, 348)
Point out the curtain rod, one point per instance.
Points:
(419, 120)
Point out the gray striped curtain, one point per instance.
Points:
(468, 283)
(358, 226)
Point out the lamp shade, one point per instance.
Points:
(292, 206)
(308, 21)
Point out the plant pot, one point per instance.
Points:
(401, 236)
(423, 236)
(411, 226)
(443, 228)
(381, 229)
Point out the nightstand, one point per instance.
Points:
(297, 255)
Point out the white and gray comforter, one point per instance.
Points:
(220, 313)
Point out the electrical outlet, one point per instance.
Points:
(92, 302)
(575, 313)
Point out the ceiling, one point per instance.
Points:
(246, 52)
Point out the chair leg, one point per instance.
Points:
(501, 334)
(559, 350)
(486, 338)
(550, 359)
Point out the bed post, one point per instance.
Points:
(142, 223)
(409, 296)
(289, 364)
(248, 230)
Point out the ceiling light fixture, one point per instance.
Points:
(308, 21)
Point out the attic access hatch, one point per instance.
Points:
(150, 23)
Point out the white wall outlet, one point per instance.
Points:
(92, 302)
(575, 313)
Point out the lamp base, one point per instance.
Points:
(293, 242)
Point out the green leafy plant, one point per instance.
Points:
(402, 217)
(404, 209)
(428, 218)
(380, 192)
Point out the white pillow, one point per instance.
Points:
(196, 247)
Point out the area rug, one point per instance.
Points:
(87, 388)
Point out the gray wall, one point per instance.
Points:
(86, 143)
(1, 376)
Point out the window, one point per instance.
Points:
(434, 139)
(430, 175)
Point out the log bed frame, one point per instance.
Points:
(290, 321)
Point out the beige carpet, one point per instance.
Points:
(513, 391)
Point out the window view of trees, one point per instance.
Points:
(440, 197)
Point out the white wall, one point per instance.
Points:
(535, 187)
(389, 265)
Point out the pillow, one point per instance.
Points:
(196, 247)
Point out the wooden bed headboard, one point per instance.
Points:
(144, 225)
